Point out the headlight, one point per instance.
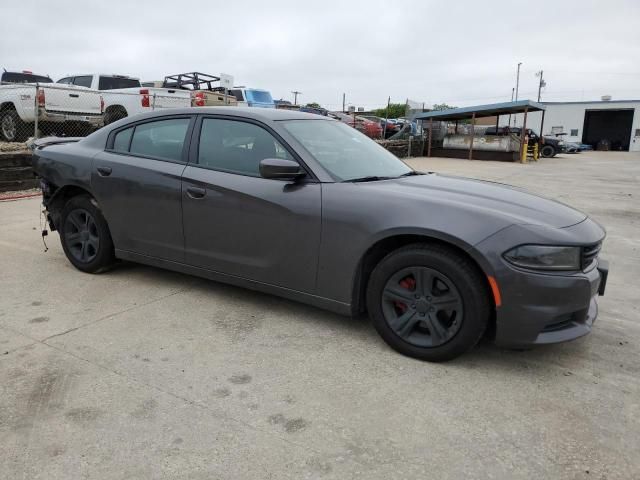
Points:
(560, 143)
(545, 257)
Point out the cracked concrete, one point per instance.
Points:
(144, 373)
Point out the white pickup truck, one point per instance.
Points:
(124, 96)
(61, 109)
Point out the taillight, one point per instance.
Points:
(41, 98)
(101, 104)
(145, 97)
(198, 99)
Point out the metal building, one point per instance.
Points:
(616, 122)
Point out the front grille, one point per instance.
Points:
(589, 254)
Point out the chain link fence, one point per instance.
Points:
(49, 109)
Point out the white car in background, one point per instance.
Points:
(125, 96)
(61, 109)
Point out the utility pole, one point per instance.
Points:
(517, 86)
(512, 92)
(518, 80)
(344, 97)
(386, 118)
(541, 84)
(295, 96)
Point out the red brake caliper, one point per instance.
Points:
(407, 283)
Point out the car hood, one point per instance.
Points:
(491, 198)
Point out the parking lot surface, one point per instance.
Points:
(145, 373)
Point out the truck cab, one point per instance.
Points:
(125, 96)
(253, 97)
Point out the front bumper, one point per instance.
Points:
(541, 309)
(544, 307)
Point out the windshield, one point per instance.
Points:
(259, 96)
(346, 153)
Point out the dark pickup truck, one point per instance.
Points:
(549, 147)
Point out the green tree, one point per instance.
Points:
(442, 106)
(396, 110)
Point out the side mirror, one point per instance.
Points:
(280, 169)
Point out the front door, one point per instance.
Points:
(137, 183)
(238, 223)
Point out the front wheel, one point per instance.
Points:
(12, 128)
(428, 302)
(547, 151)
(85, 235)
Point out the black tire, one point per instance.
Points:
(113, 115)
(547, 151)
(12, 128)
(452, 277)
(85, 235)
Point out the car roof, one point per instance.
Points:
(246, 112)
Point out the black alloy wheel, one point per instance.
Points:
(422, 306)
(81, 235)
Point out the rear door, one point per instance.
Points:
(238, 223)
(137, 183)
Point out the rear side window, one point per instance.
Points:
(237, 147)
(122, 139)
(111, 83)
(162, 139)
(84, 81)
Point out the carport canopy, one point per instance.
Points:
(479, 111)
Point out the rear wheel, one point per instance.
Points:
(547, 151)
(12, 128)
(85, 235)
(113, 115)
(428, 302)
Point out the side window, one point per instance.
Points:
(122, 139)
(237, 94)
(237, 147)
(161, 139)
(83, 81)
(66, 80)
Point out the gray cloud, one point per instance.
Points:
(455, 52)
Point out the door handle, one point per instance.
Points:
(104, 171)
(196, 192)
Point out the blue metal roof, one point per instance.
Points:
(482, 110)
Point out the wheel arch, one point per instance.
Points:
(7, 106)
(116, 107)
(383, 246)
(57, 200)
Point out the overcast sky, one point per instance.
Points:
(458, 52)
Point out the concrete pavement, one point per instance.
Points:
(145, 373)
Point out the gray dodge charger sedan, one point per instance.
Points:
(308, 208)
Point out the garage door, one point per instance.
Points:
(611, 125)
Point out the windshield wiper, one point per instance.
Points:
(411, 173)
(370, 178)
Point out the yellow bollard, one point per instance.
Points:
(535, 152)
(523, 159)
